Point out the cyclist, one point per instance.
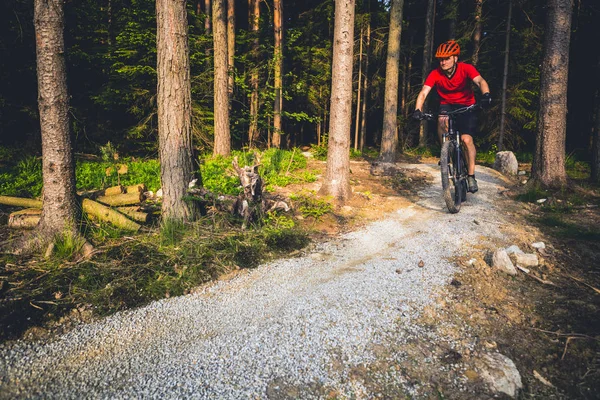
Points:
(452, 82)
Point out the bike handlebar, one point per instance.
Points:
(461, 110)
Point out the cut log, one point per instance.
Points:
(123, 199)
(107, 214)
(20, 202)
(94, 194)
(134, 213)
(139, 188)
(114, 190)
(25, 219)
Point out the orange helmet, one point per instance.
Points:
(447, 49)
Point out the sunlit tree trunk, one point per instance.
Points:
(231, 47)
(60, 209)
(505, 80)
(254, 11)
(207, 17)
(389, 136)
(427, 50)
(548, 166)
(277, 73)
(358, 91)
(337, 176)
(477, 31)
(363, 122)
(174, 109)
(221, 102)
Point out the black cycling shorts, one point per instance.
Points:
(465, 123)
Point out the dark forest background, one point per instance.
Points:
(111, 71)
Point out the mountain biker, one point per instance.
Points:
(451, 80)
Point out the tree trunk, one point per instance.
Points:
(477, 31)
(505, 80)
(207, 17)
(358, 91)
(363, 123)
(277, 73)
(337, 178)
(548, 166)
(427, 54)
(254, 10)
(60, 208)
(174, 108)
(389, 136)
(230, 47)
(595, 175)
(221, 102)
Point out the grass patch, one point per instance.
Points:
(310, 206)
(563, 228)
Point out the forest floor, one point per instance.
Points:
(547, 322)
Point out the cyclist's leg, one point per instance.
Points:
(442, 126)
(471, 152)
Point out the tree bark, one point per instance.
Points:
(60, 208)
(363, 122)
(477, 31)
(221, 103)
(337, 178)
(174, 109)
(358, 91)
(389, 135)
(548, 167)
(230, 48)
(427, 54)
(278, 72)
(595, 173)
(254, 10)
(505, 80)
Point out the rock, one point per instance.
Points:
(502, 261)
(500, 373)
(538, 245)
(514, 249)
(522, 173)
(527, 260)
(540, 201)
(506, 162)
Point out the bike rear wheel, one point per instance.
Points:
(452, 185)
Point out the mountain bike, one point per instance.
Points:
(453, 163)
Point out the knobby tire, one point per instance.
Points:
(453, 196)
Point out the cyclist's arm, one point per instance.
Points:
(422, 96)
(482, 84)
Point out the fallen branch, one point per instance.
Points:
(107, 214)
(27, 218)
(123, 199)
(584, 283)
(526, 271)
(134, 213)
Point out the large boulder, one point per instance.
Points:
(500, 373)
(506, 163)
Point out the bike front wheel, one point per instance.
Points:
(452, 185)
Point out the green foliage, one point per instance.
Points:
(310, 206)
(533, 194)
(99, 175)
(171, 232)
(23, 180)
(320, 152)
(67, 245)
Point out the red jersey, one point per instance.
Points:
(457, 88)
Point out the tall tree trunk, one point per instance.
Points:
(358, 91)
(452, 14)
(337, 176)
(174, 101)
(363, 122)
(477, 31)
(254, 11)
(59, 209)
(548, 166)
(389, 136)
(278, 71)
(427, 54)
(207, 17)
(505, 80)
(595, 175)
(230, 47)
(221, 102)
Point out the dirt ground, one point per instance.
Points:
(547, 322)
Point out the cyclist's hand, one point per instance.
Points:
(486, 100)
(418, 115)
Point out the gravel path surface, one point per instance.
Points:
(295, 328)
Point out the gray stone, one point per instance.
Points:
(502, 261)
(500, 373)
(514, 249)
(506, 162)
(538, 245)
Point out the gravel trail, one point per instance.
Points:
(293, 328)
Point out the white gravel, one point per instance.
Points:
(299, 324)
